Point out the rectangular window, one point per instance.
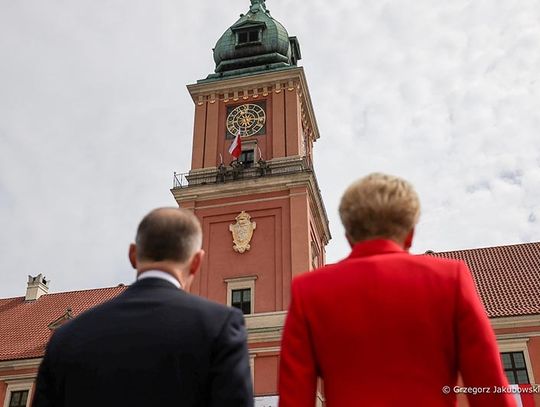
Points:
(247, 37)
(241, 293)
(247, 158)
(18, 398)
(242, 38)
(515, 367)
(253, 36)
(241, 299)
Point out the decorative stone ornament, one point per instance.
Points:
(242, 232)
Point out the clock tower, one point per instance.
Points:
(262, 214)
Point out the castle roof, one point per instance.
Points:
(507, 277)
(26, 326)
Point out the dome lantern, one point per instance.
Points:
(255, 42)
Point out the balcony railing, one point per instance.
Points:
(180, 180)
(237, 171)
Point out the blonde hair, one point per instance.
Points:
(379, 206)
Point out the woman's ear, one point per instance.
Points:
(408, 240)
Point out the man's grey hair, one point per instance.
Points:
(168, 234)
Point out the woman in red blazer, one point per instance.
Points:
(383, 328)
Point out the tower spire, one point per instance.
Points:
(256, 42)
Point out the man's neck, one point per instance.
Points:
(173, 269)
(162, 275)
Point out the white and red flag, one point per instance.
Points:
(236, 146)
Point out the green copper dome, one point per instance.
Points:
(256, 42)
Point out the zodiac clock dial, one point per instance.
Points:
(248, 119)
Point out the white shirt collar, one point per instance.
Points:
(159, 274)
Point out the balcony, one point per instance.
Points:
(237, 171)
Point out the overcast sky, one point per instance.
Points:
(95, 118)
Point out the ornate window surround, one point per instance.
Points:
(18, 385)
(518, 345)
(239, 283)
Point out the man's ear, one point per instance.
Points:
(196, 262)
(133, 255)
(408, 240)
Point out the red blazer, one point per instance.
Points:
(383, 328)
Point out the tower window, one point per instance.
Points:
(241, 299)
(515, 367)
(248, 37)
(247, 158)
(241, 293)
(18, 398)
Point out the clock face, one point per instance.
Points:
(248, 119)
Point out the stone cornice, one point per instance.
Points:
(258, 86)
(515, 322)
(14, 378)
(239, 187)
(265, 327)
(519, 336)
(20, 363)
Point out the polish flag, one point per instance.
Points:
(236, 146)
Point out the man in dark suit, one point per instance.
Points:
(382, 327)
(155, 344)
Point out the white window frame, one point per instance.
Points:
(19, 386)
(252, 145)
(518, 345)
(266, 401)
(241, 283)
(252, 357)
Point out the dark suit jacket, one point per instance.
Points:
(153, 345)
(384, 328)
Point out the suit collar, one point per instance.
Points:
(161, 275)
(374, 247)
(154, 282)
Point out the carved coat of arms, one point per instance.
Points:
(242, 232)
